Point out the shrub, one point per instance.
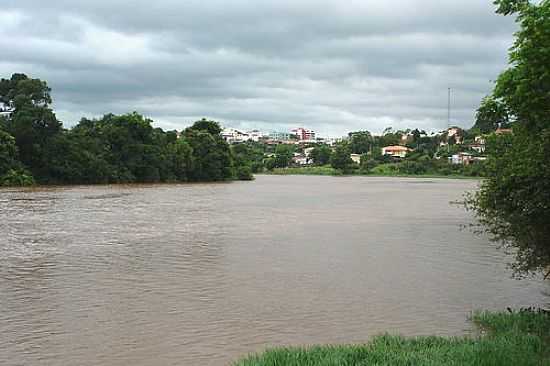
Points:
(17, 178)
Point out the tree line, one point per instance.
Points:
(35, 147)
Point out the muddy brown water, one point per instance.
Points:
(202, 274)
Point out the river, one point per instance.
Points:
(202, 274)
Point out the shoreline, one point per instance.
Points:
(144, 184)
(296, 172)
(505, 338)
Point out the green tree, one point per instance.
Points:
(361, 142)
(244, 172)
(321, 154)
(341, 159)
(367, 163)
(513, 203)
(491, 115)
(211, 127)
(250, 154)
(180, 155)
(33, 123)
(388, 138)
(8, 153)
(212, 158)
(283, 155)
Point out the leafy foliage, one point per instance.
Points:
(283, 157)
(249, 154)
(8, 153)
(513, 204)
(321, 155)
(113, 149)
(341, 159)
(361, 142)
(16, 178)
(491, 115)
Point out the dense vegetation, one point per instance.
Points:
(519, 338)
(513, 204)
(34, 146)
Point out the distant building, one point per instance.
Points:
(279, 136)
(456, 133)
(308, 150)
(300, 159)
(233, 136)
(480, 140)
(256, 135)
(304, 134)
(479, 144)
(356, 158)
(396, 151)
(6, 109)
(330, 141)
(503, 131)
(462, 158)
(479, 148)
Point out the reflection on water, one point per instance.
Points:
(202, 274)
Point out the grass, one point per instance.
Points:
(518, 338)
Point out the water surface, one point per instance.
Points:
(201, 274)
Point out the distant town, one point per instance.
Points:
(459, 146)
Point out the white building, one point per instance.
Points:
(356, 158)
(300, 159)
(461, 158)
(6, 109)
(308, 150)
(479, 144)
(256, 135)
(331, 141)
(233, 136)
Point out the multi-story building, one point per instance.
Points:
(279, 136)
(304, 134)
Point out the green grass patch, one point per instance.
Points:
(519, 338)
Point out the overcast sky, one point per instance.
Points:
(330, 65)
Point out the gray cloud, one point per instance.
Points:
(330, 65)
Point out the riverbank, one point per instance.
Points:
(328, 171)
(519, 338)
